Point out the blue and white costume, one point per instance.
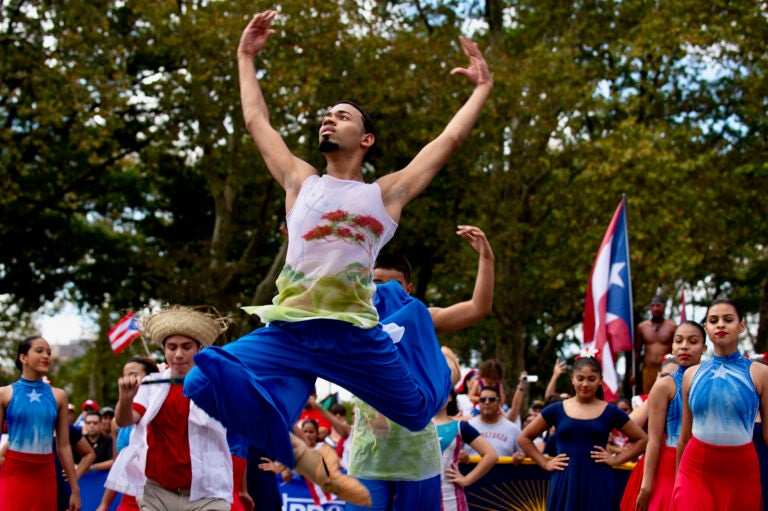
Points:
(675, 410)
(28, 476)
(719, 468)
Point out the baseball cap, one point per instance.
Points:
(90, 403)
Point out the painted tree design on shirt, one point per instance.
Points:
(347, 293)
(361, 230)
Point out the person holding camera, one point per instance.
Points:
(517, 399)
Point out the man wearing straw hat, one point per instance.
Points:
(178, 457)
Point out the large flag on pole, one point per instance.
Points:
(123, 333)
(608, 307)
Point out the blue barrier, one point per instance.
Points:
(92, 488)
(295, 496)
(506, 486)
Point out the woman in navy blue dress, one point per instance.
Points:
(582, 477)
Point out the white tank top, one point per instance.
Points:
(336, 229)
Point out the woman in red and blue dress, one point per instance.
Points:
(665, 405)
(33, 411)
(718, 467)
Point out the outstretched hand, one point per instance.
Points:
(477, 72)
(476, 237)
(268, 465)
(256, 33)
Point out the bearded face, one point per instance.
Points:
(326, 146)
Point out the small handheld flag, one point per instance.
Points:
(123, 333)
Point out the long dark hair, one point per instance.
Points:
(23, 349)
(452, 409)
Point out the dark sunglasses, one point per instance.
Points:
(490, 399)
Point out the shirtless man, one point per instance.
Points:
(653, 341)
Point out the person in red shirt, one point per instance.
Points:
(181, 458)
(311, 412)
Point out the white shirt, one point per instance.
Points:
(502, 435)
(208, 449)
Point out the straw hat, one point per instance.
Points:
(180, 320)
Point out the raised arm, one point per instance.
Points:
(402, 186)
(127, 387)
(339, 424)
(517, 398)
(288, 170)
(560, 368)
(463, 314)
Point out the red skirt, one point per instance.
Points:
(28, 482)
(128, 503)
(664, 480)
(717, 478)
(629, 499)
(238, 469)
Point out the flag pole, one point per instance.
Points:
(631, 301)
(683, 313)
(146, 348)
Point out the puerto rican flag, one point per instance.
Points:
(608, 307)
(123, 333)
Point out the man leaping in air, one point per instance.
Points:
(323, 321)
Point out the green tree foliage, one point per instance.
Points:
(594, 100)
(129, 179)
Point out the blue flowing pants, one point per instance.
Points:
(258, 385)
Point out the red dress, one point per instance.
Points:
(238, 469)
(661, 495)
(709, 474)
(629, 499)
(28, 482)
